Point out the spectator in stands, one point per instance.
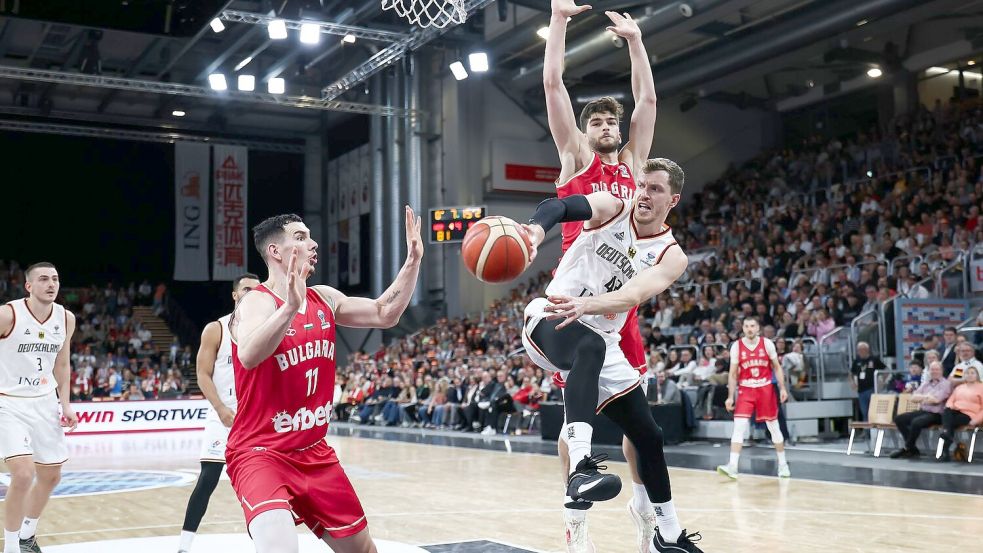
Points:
(947, 350)
(820, 323)
(965, 358)
(931, 397)
(706, 366)
(133, 393)
(682, 372)
(964, 407)
(662, 390)
(794, 364)
(393, 409)
(910, 382)
(862, 376)
(115, 384)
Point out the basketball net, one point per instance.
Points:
(428, 13)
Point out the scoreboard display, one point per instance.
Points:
(449, 224)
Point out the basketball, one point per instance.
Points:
(496, 249)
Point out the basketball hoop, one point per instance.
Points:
(429, 13)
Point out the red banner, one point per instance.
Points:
(229, 231)
(531, 173)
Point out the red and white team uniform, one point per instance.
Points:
(277, 455)
(617, 179)
(755, 393)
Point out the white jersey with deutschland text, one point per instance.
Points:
(223, 376)
(28, 351)
(605, 258)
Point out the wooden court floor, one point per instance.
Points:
(425, 494)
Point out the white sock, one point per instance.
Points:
(186, 539)
(11, 541)
(665, 519)
(29, 528)
(640, 500)
(734, 457)
(575, 514)
(579, 435)
(781, 457)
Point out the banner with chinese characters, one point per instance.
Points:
(191, 211)
(230, 229)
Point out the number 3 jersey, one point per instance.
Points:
(28, 351)
(285, 401)
(604, 258)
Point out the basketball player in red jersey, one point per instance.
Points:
(283, 353)
(753, 362)
(590, 161)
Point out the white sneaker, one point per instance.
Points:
(577, 539)
(644, 527)
(728, 471)
(784, 472)
(488, 431)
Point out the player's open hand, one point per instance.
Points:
(623, 25)
(69, 419)
(783, 395)
(297, 272)
(729, 404)
(536, 235)
(567, 8)
(568, 308)
(414, 243)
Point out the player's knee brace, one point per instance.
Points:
(776, 432)
(740, 429)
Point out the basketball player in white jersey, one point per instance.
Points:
(625, 255)
(217, 383)
(35, 340)
(753, 362)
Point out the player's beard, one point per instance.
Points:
(605, 146)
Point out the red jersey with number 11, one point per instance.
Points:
(285, 401)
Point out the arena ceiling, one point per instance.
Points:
(76, 61)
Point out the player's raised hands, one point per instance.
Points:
(297, 272)
(414, 242)
(567, 8)
(623, 25)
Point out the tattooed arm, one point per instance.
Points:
(384, 311)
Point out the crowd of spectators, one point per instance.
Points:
(113, 355)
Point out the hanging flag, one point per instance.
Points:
(191, 211)
(230, 226)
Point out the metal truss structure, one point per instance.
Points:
(393, 53)
(152, 87)
(340, 29)
(143, 136)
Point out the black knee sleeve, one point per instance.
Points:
(198, 503)
(580, 351)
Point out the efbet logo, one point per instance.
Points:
(303, 419)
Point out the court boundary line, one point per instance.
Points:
(185, 481)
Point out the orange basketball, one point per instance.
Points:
(496, 249)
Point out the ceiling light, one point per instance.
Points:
(247, 83)
(178, 113)
(937, 70)
(277, 29)
(970, 62)
(862, 22)
(811, 83)
(217, 81)
(543, 32)
(478, 62)
(874, 72)
(243, 63)
(457, 68)
(217, 25)
(348, 39)
(276, 85)
(310, 33)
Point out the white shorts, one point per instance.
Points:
(214, 440)
(32, 426)
(617, 378)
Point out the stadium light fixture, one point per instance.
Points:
(874, 72)
(348, 39)
(247, 83)
(310, 33)
(971, 63)
(243, 63)
(178, 113)
(217, 25)
(217, 81)
(543, 32)
(478, 61)
(276, 85)
(460, 73)
(277, 29)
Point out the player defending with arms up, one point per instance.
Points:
(283, 351)
(35, 341)
(592, 162)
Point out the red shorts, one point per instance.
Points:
(310, 483)
(631, 345)
(761, 400)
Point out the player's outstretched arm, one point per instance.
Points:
(559, 110)
(384, 311)
(211, 340)
(647, 284)
(63, 374)
(641, 133)
(597, 209)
